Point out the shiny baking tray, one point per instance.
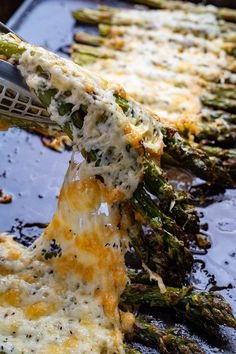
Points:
(33, 174)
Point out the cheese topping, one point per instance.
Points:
(165, 59)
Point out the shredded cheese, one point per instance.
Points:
(165, 59)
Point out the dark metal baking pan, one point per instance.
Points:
(33, 174)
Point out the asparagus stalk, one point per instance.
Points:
(177, 254)
(83, 58)
(227, 156)
(91, 16)
(152, 253)
(170, 202)
(161, 256)
(218, 133)
(97, 41)
(86, 38)
(167, 341)
(106, 30)
(117, 43)
(153, 214)
(223, 90)
(219, 152)
(202, 308)
(97, 52)
(30, 125)
(212, 115)
(227, 14)
(194, 159)
(161, 251)
(218, 103)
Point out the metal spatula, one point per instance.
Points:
(16, 100)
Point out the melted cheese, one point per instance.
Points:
(62, 294)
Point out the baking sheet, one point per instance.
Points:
(34, 174)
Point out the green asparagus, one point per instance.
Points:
(201, 308)
(211, 115)
(166, 340)
(86, 38)
(218, 103)
(221, 134)
(170, 202)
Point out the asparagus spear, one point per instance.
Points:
(219, 152)
(86, 38)
(211, 115)
(227, 156)
(110, 31)
(218, 133)
(167, 341)
(163, 255)
(226, 14)
(170, 202)
(202, 308)
(223, 90)
(97, 52)
(175, 252)
(194, 159)
(218, 103)
(30, 124)
(150, 211)
(106, 30)
(91, 16)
